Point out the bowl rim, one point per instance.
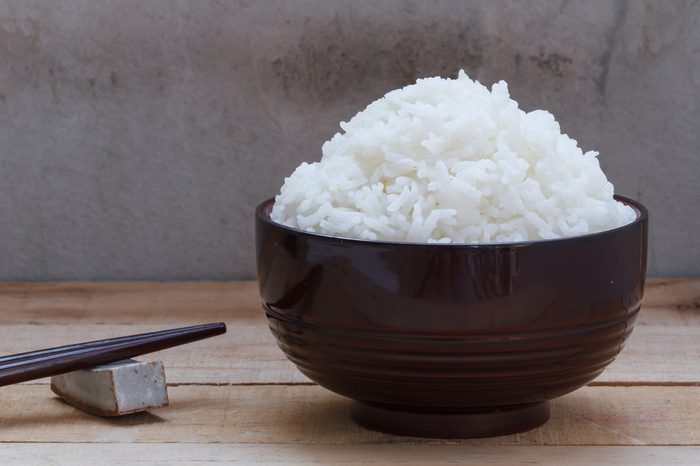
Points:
(262, 214)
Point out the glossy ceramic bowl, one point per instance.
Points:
(451, 340)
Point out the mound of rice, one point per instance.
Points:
(447, 160)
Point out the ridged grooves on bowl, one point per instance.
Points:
(451, 340)
(536, 365)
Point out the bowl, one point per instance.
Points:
(451, 340)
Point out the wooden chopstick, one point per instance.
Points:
(87, 344)
(53, 361)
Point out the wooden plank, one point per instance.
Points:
(249, 354)
(666, 302)
(679, 294)
(657, 355)
(663, 348)
(161, 303)
(225, 453)
(312, 415)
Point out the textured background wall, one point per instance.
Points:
(137, 137)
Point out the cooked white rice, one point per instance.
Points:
(447, 160)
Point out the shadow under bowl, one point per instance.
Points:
(451, 340)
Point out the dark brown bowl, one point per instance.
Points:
(451, 340)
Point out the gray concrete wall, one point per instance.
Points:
(137, 137)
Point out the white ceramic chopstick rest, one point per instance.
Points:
(114, 389)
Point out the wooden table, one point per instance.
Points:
(235, 398)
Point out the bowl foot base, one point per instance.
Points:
(444, 424)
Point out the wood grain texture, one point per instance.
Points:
(236, 399)
(667, 301)
(663, 348)
(12, 454)
(312, 415)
